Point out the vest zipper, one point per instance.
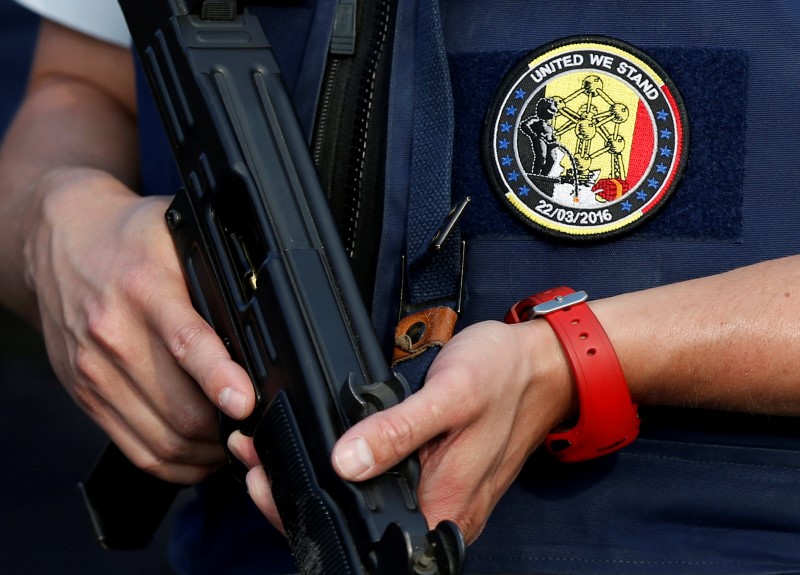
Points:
(349, 138)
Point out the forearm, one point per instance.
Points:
(66, 122)
(730, 341)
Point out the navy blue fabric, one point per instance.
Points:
(386, 299)
(759, 39)
(658, 507)
(220, 531)
(300, 32)
(159, 175)
(708, 203)
(699, 493)
(707, 498)
(431, 275)
(414, 370)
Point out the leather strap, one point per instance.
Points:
(422, 330)
(607, 417)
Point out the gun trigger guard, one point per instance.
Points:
(361, 400)
(440, 552)
(355, 407)
(449, 549)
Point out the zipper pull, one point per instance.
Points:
(343, 39)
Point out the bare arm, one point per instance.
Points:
(90, 262)
(730, 342)
(79, 112)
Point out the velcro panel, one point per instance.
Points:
(706, 206)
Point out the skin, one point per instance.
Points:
(725, 342)
(91, 264)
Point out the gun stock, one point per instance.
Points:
(266, 269)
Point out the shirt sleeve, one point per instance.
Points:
(101, 19)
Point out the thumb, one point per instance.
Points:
(384, 439)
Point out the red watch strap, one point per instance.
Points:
(607, 418)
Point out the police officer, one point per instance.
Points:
(695, 312)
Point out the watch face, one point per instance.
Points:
(585, 138)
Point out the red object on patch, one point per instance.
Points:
(610, 189)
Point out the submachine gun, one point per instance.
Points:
(267, 270)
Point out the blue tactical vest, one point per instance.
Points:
(699, 492)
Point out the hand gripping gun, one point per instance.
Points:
(266, 269)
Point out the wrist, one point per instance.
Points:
(607, 418)
(549, 375)
(35, 235)
(60, 201)
(42, 211)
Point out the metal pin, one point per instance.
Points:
(450, 222)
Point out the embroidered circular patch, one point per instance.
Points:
(585, 138)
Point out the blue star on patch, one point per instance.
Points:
(520, 94)
(523, 191)
(661, 169)
(662, 115)
(503, 144)
(513, 176)
(652, 183)
(505, 127)
(626, 206)
(507, 160)
(511, 110)
(666, 134)
(666, 152)
(641, 196)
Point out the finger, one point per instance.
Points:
(146, 460)
(141, 357)
(260, 491)
(458, 484)
(383, 439)
(117, 404)
(175, 397)
(161, 445)
(140, 452)
(201, 353)
(243, 449)
(153, 293)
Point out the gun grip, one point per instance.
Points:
(126, 505)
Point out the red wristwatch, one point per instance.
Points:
(607, 419)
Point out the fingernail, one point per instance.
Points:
(354, 458)
(233, 402)
(234, 440)
(255, 483)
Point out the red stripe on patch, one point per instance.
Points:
(642, 146)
